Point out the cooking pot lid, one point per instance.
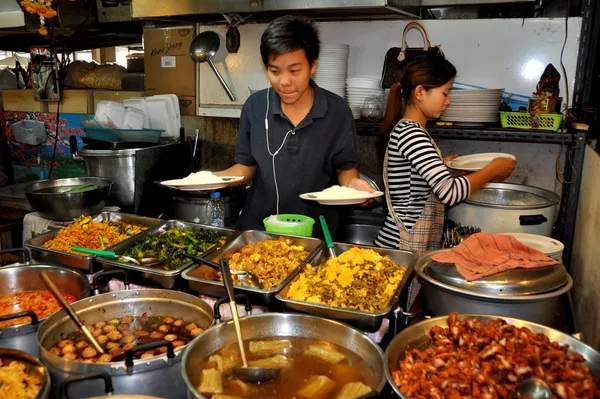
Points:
(513, 195)
(512, 282)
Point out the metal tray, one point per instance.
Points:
(86, 263)
(365, 321)
(165, 278)
(198, 281)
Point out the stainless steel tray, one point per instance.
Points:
(198, 281)
(86, 263)
(366, 321)
(165, 278)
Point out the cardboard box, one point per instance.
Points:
(187, 106)
(73, 102)
(116, 96)
(167, 63)
(20, 100)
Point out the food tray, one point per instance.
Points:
(82, 262)
(165, 278)
(365, 321)
(209, 287)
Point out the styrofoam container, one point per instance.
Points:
(110, 112)
(140, 104)
(175, 102)
(163, 115)
(133, 119)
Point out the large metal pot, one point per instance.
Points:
(417, 336)
(21, 278)
(47, 197)
(191, 206)
(528, 294)
(158, 376)
(33, 367)
(270, 325)
(509, 208)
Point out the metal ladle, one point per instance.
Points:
(203, 49)
(245, 278)
(533, 388)
(246, 374)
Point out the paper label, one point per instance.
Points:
(168, 61)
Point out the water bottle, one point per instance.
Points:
(215, 211)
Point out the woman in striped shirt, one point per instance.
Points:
(418, 183)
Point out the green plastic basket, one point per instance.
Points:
(522, 120)
(305, 230)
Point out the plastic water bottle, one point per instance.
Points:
(215, 211)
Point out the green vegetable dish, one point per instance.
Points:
(171, 246)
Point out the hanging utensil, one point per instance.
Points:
(327, 235)
(246, 374)
(533, 388)
(203, 49)
(63, 302)
(114, 255)
(245, 278)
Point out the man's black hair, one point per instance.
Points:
(289, 33)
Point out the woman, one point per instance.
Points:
(418, 184)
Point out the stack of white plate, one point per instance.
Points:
(332, 68)
(359, 89)
(473, 106)
(549, 246)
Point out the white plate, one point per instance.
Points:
(475, 162)
(177, 183)
(341, 201)
(547, 245)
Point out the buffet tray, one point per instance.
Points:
(87, 263)
(365, 321)
(165, 278)
(197, 276)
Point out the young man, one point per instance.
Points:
(293, 137)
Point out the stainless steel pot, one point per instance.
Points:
(33, 366)
(528, 294)
(48, 199)
(270, 325)
(417, 336)
(509, 208)
(160, 375)
(21, 278)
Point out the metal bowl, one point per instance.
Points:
(417, 336)
(47, 197)
(270, 325)
(33, 367)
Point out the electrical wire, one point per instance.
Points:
(53, 55)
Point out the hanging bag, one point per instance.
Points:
(397, 58)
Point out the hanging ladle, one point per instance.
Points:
(533, 388)
(244, 277)
(246, 374)
(203, 49)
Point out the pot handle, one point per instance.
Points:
(106, 273)
(532, 220)
(28, 313)
(17, 250)
(223, 301)
(74, 149)
(108, 385)
(145, 347)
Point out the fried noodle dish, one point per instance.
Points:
(88, 233)
(359, 279)
(476, 359)
(16, 382)
(271, 261)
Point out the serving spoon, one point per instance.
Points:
(246, 278)
(533, 388)
(113, 255)
(246, 374)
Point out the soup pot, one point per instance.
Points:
(20, 278)
(33, 367)
(272, 325)
(159, 375)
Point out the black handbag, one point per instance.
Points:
(397, 58)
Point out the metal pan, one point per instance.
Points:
(199, 281)
(165, 278)
(417, 336)
(86, 263)
(364, 320)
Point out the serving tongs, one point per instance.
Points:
(114, 255)
(244, 277)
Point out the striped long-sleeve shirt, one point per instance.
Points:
(415, 170)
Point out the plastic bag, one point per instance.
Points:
(76, 71)
(373, 109)
(106, 77)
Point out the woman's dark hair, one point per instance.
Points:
(430, 70)
(289, 33)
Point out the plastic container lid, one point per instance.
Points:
(215, 194)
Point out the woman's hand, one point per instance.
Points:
(503, 168)
(454, 172)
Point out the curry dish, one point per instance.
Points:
(310, 368)
(17, 382)
(42, 303)
(88, 233)
(476, 359)
(358, 279)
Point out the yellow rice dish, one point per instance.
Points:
(358, 279)
(16, 383)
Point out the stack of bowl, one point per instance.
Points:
(332, 68)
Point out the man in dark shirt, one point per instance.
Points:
(293, 137)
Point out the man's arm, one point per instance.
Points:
(247, 172)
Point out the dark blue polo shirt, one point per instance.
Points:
(323, 143)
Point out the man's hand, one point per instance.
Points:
(361, 185)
